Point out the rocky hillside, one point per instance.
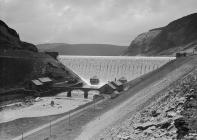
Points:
(171, 116)
(83, 49)
(178, 35)
(9, 40)
(20, 61)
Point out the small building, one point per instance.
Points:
(35, 85)
(115, 94)
(47, 82)
(118, 85)
(94, 80)
(181, 54)
(123, 80)
(108, 88)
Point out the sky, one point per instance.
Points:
(90, 21)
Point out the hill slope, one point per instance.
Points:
(114, 116)
(179, 34)
(20, 61)
(83, 49)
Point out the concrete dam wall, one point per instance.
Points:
(107, 68)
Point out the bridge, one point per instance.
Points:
(85, 91)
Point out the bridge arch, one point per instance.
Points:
(82, 92)
(78, 93)
(93, 91)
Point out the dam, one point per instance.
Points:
(108, 68)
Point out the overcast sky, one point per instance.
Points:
(90, 21)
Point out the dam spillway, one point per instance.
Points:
(108, 68)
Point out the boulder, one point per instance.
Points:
(182, 127)
(144, 126)
(171, 114)
(181, 100)
(165, 123)
(154, 113)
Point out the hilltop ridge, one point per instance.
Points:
(178, 34)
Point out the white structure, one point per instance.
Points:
(107, 68)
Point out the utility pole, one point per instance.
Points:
(94, 104)
(69, 114)
(69, 118)
(22, 135)
(50, 128)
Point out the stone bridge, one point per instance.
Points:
(84, 90)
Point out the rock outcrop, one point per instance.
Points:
(179, 34)
(9, 39)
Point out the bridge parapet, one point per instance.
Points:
(84, 90)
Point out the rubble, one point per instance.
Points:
(123, 136)
(171, 117)
(182, 128)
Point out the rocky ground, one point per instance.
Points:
(172, 116)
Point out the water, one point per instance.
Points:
(107, 68)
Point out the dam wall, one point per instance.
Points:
(108, 68)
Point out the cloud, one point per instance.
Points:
(90, 21)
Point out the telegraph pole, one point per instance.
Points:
(22, 135)
(69, 118)
(69, 114)
(50, 128)
(94, 104)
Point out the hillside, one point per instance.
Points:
(115, 117)
(180, 34)
(20, 61)
(83, 49)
